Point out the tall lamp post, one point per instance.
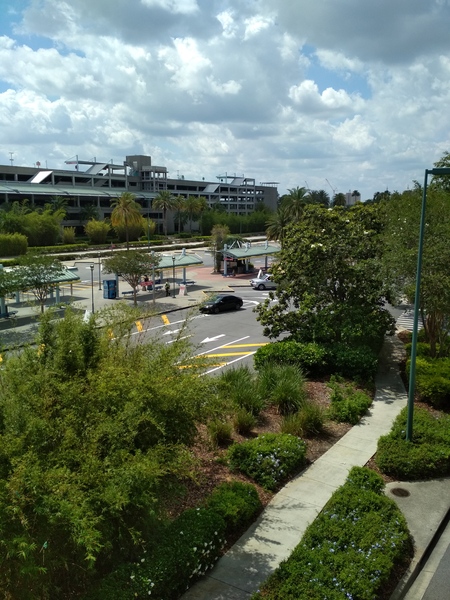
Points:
(173, 276)
(99, 273)
(412, 367)
(92, 286)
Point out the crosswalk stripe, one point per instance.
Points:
(406, 321)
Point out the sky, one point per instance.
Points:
(339, 95)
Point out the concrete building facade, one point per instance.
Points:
(91, 186)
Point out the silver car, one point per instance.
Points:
(263, 283)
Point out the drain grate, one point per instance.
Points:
(401, 492)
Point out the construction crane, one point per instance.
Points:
(332, 188)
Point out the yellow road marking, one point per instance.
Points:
(228, 354)
(165, 320)
(244, 345)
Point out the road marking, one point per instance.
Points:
(184, 337)
(165, 320)
(246, 345)
(229, 363)
(172, 331)
(213, 339)
(229, 354)
(224, 345)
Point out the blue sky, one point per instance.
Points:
(352, 92)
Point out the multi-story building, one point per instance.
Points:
(90, 185)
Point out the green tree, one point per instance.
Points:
(89, 212)
(97, 231)
(126, 212)
(401, 240)
(219, 235)
(339, 199)
(92, 439)
(165, 201)
(329, 270)
(319, 197)
(192, 207)
(179, 207)
(132, 266)
(39, 274)
(277, 224)
(295, 201)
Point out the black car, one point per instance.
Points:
(220, 303)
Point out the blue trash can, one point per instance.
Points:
(109, 289)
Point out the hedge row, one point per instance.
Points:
(356, 362)
(188, 547)
(428, 455)
(351, 549)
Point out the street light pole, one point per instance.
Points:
(92, 286)
(99, 273)
(412, 364)
(173, 276)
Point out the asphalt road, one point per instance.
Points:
(229, 338)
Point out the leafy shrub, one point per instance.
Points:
(356, 362)
(307, 421)
(190, 546)
(236, 502)
(268, 459)
(310, 357)
(283, 386)
(348, 404)
(244, 421)
(349, 551)
(68, 235)
(97, 231)
(428, 455)
(422, 349)
(220, 432)
(433, 380)
(13, 244)
(240, 387)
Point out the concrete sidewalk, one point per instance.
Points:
(272, 538)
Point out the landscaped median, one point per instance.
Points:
(350, 552)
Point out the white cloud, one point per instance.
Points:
(282, 91)
(176, 6)
(308, 99)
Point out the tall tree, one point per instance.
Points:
(401, 241)
(165, 201)
(319, 197)
(39, 274)
(193, 207)
(219, 234)
(295, 201)
(126, 212)
(132, 266)
(277, 223)
(329, 270)
(339, 199)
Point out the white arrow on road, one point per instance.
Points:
(213, 339)
(172, 331)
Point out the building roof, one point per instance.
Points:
(181, 260)
(251, 251)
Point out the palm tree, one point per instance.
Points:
(180, 202)
(277, 224)
(339, 199)
(295, 201)
(320, 197)
(126, 212)
(165, 201)
(193, 207)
